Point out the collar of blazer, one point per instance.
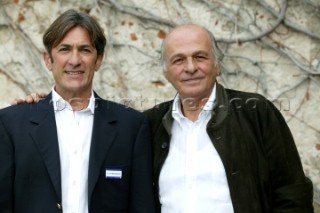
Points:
(44, 135)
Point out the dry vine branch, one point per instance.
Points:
(293, 87)
(138, 12)
(22, 86)
(261, 34)
(288, 23)
(32, 49)
(255, 63)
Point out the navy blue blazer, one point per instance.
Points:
(30, 177)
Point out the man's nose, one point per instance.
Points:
(75, 58)
(191, 66)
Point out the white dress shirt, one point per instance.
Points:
(193, 179)
(74, 137)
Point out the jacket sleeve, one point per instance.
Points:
(292, 191)
(142, 198)
(6, 171)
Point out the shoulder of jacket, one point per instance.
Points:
(162, 107)
(118, 108)
(241, 94)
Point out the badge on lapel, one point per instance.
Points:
(112, 173)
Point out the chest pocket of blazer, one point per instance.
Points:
(113, 187)
(116, 177)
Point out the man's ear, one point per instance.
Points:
(98, 62)
(217, 68)
(165, 74)
(47, 60)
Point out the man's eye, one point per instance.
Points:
(200, 57)
(86, 50)
(63, 49)
(177, 61)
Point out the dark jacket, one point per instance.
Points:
(256, 147)
(30, 177)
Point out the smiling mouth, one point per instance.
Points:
(191, 79)
(74, 72)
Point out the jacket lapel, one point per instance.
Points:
(103, 134)
(45, 138)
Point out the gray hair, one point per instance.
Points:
(217, 53)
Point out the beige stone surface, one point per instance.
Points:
(283, 64)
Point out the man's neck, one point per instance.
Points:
(78, 101)
(191, 108)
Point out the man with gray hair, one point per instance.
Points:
(220, 150)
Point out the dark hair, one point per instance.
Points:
(68, 20)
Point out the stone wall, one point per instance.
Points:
(271, 47)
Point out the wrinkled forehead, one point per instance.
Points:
(186, 31)
(188, 38)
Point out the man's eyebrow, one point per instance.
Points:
(176, 55)
(79, 46)
(64, 45)
(201, 52)
(85, 46)
(195, 53)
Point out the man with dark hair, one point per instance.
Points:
(73, 151)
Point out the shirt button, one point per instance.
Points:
(164, 145)
(59, 206)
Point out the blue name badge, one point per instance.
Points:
(113, 173)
